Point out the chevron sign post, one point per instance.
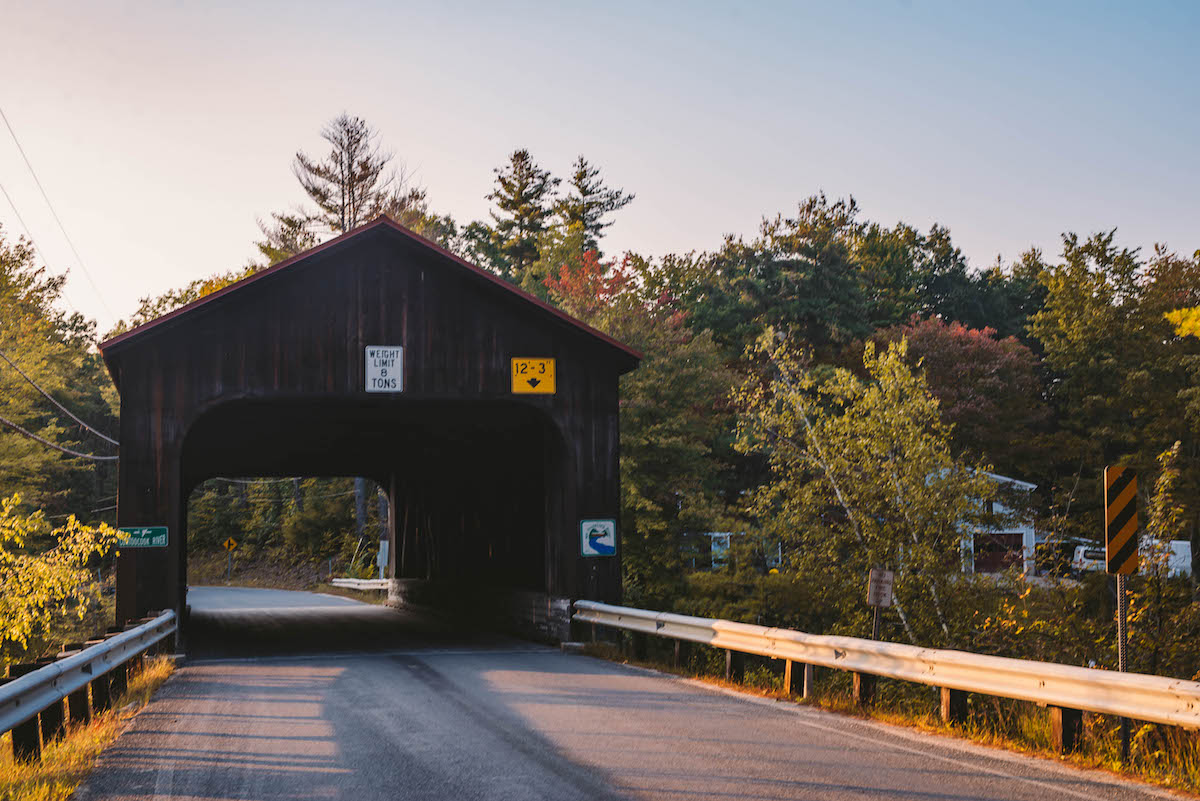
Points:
(1120, 520)
(1121, 556)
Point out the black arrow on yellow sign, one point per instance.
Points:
(1120, 520)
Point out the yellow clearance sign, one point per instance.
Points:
(532, 376)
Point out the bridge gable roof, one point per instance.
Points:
(537, 308)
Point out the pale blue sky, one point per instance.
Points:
(161, 130)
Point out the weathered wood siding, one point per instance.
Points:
(268, 379)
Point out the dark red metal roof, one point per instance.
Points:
(378, 222)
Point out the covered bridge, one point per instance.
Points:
(489, 417)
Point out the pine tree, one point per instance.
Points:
(524, 196)
(351, 185)
(286, 235)
(588, 203)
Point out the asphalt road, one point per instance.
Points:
(450, 715)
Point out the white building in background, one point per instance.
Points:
(1012, 542)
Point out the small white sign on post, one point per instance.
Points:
(381, 559)
(879, 587)
(385, 368)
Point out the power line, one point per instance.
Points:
(54, 213)
(56, 446)
(28, 231)
(62, 408)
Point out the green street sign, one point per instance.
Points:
(143, 537)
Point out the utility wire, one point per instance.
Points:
(57, 447)
(61, 408)
(29, 236)
(54, 213)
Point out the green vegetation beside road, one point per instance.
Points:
(66, 763)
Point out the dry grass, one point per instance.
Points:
(1162, 755)
(271, 569)
(66, 763)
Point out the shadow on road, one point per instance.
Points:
(238, 622)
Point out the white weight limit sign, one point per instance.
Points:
(385, 368)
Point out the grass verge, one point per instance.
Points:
(1166, 756)
(67, 762)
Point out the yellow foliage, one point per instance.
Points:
(35, 588)
(1186, 321)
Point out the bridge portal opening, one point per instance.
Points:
(471, 486)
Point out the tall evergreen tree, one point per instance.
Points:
(351, 185)
(524, 196)
(588, 202)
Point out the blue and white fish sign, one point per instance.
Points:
(597, 537)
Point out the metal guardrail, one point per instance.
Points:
(361, 584)
(23, 698)
(1139, 696)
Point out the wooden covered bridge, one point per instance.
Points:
(489, 417)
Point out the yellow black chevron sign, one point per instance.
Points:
(1120, 520)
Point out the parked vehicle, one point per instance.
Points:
(1090, 558)
(1087, 559)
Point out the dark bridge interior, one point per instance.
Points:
(472, 485)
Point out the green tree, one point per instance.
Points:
(863, 475)
(673, 412)
(1120, 375)
(53, 581)
(588, 202)
(55, 351)
(524, 197)
(351, 185)
(286, 235)
(799, 275)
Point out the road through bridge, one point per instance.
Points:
(406, 708)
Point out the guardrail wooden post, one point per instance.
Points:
(682, 652)
(1066, 729)
(77, 702)
(735, 666)
(798, 678)
(954, 706)
(101, 694)
(117, 677)
(26, 738)
(864, 689)
(639, 646)
(53, 716)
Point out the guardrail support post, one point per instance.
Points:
(954, 706)
(864, 689)
(52, 718)
(77, 706)
(101, 697)
(735, 666)
(26, 738)
(639, 646)
(682, 652)
(798, 678)
(118, 676)
(1066, 729)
